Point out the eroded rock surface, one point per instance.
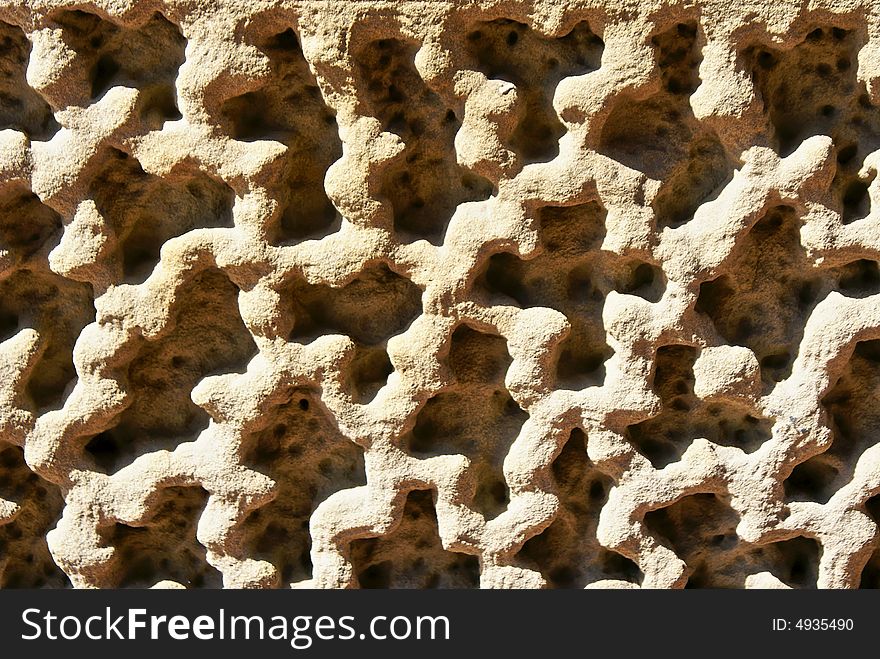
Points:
(427, 295)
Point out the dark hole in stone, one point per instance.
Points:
(567, 552)
(411, 555)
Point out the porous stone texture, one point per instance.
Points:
(577, 293)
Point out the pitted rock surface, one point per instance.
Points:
(439, 294)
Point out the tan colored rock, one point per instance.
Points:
(396, 294)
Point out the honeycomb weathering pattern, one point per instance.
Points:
(440, 294)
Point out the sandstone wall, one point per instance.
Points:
(439, 294)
